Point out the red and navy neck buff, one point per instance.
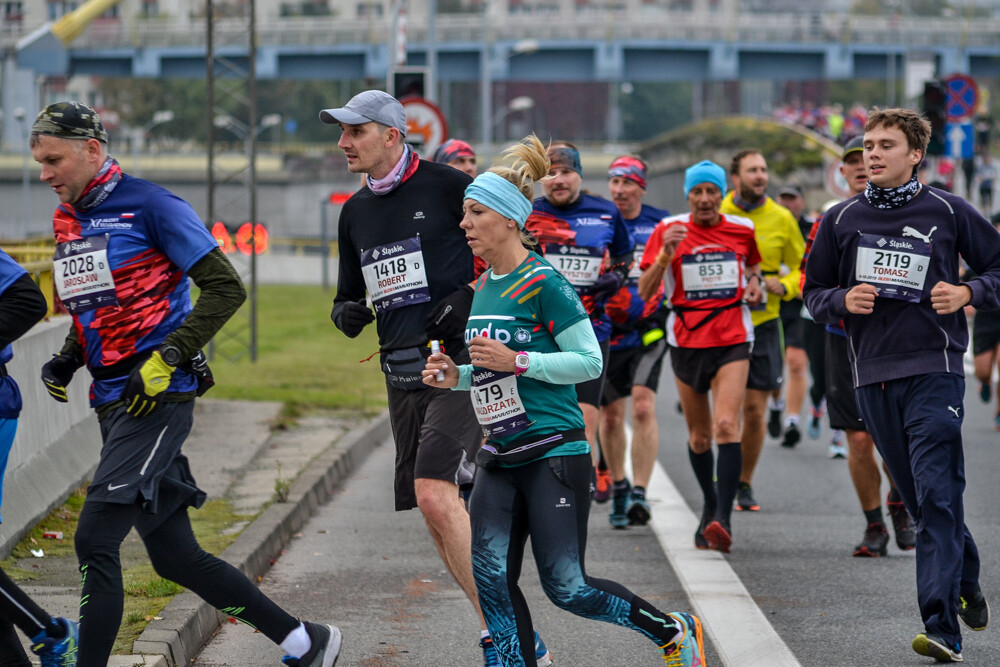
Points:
(100, 186)
(566, 158)
(629, 168)
(452, 150)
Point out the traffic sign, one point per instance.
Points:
(963, 97)
(960, 140)
(426, 127)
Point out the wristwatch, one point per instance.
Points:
(520, 363)
(171, 355)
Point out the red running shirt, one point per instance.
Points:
(706, 280)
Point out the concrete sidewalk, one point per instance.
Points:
(233, 455)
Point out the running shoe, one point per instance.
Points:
(902, 524)
(619, 509)
(689, 649)
(815, 422)
(699, 535)
(745, 502)
(792, 435)
(985, 392)
(934, 647)
(638, 509)
(996, 423)
(57, 652)
(602, 489)
(973, 610)
(837, 448)
(874, 543)
(326, 641)
(718, 537)
(542, 656)
(490, 657)
(774, 423)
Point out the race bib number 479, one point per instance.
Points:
(896, 266)
(82, 275)
(395, 274)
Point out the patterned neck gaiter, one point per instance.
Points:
(892, 197)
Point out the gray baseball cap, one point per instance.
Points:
(369, 106)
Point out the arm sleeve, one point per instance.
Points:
(222, 293)
(71, 346)
(794, 251)
(579, 358)
(350, 280)
(464, 378)
(22, 305)
(823, 295)
(979, 245)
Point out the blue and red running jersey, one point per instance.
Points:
(150, 238)
(578, 241)
(10, 395)
(626, 308)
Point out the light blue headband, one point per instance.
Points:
(501, 195)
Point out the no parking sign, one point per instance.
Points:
(963, 97)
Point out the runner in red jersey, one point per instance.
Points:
(710, 265)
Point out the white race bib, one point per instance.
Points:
(580, 264)
(710, 275)
(395, 274)
(896, 266)
(497, 404)
(83, 276)
(634, 273)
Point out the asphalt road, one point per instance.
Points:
(790, 593)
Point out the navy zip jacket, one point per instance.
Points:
(903, 252)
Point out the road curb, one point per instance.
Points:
(188, 622)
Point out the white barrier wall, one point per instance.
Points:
(57, 444)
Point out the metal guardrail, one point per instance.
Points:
(35, 255)
(643, 23)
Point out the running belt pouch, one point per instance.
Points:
(526, 449)
(402, 367)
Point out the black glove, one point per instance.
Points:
(448, 319)
(198, 366)
(352, 317)
(605, 286)
(57, 373)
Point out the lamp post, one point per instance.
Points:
(521, 103)
(21, 116)
(159, 117)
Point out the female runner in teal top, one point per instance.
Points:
(531, 341)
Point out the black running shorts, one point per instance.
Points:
(436, 436)
(985, 331)
(791, 323)
(767, 357)
(841, 403)
(698, 366)
(141, 461)
(589, 392)
(635, 367)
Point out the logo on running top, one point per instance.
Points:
(910, 231)
(593, 222)
(112, 487)
(112, 223)
(522, 336)
(955, 410)
(562, 503)
(419, 215)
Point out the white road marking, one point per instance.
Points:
(737, 627)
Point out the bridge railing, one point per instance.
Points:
(648, 23)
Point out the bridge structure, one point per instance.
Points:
(639, 44)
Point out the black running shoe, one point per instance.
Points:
(326, 641)
(792, 435)
(745, 502)
(699, 535)
(874, 542)
(985, 391)
(902, 525)
(973, 610)
(774, 423)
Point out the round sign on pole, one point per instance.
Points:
(963, 97)
(426, 127)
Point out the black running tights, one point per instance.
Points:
(17, 609)
(177, 556)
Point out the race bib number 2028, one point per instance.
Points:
(83, 276)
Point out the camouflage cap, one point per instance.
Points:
(70, 120)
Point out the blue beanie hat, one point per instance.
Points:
(705, 171)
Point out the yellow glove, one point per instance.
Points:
(146, 384)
